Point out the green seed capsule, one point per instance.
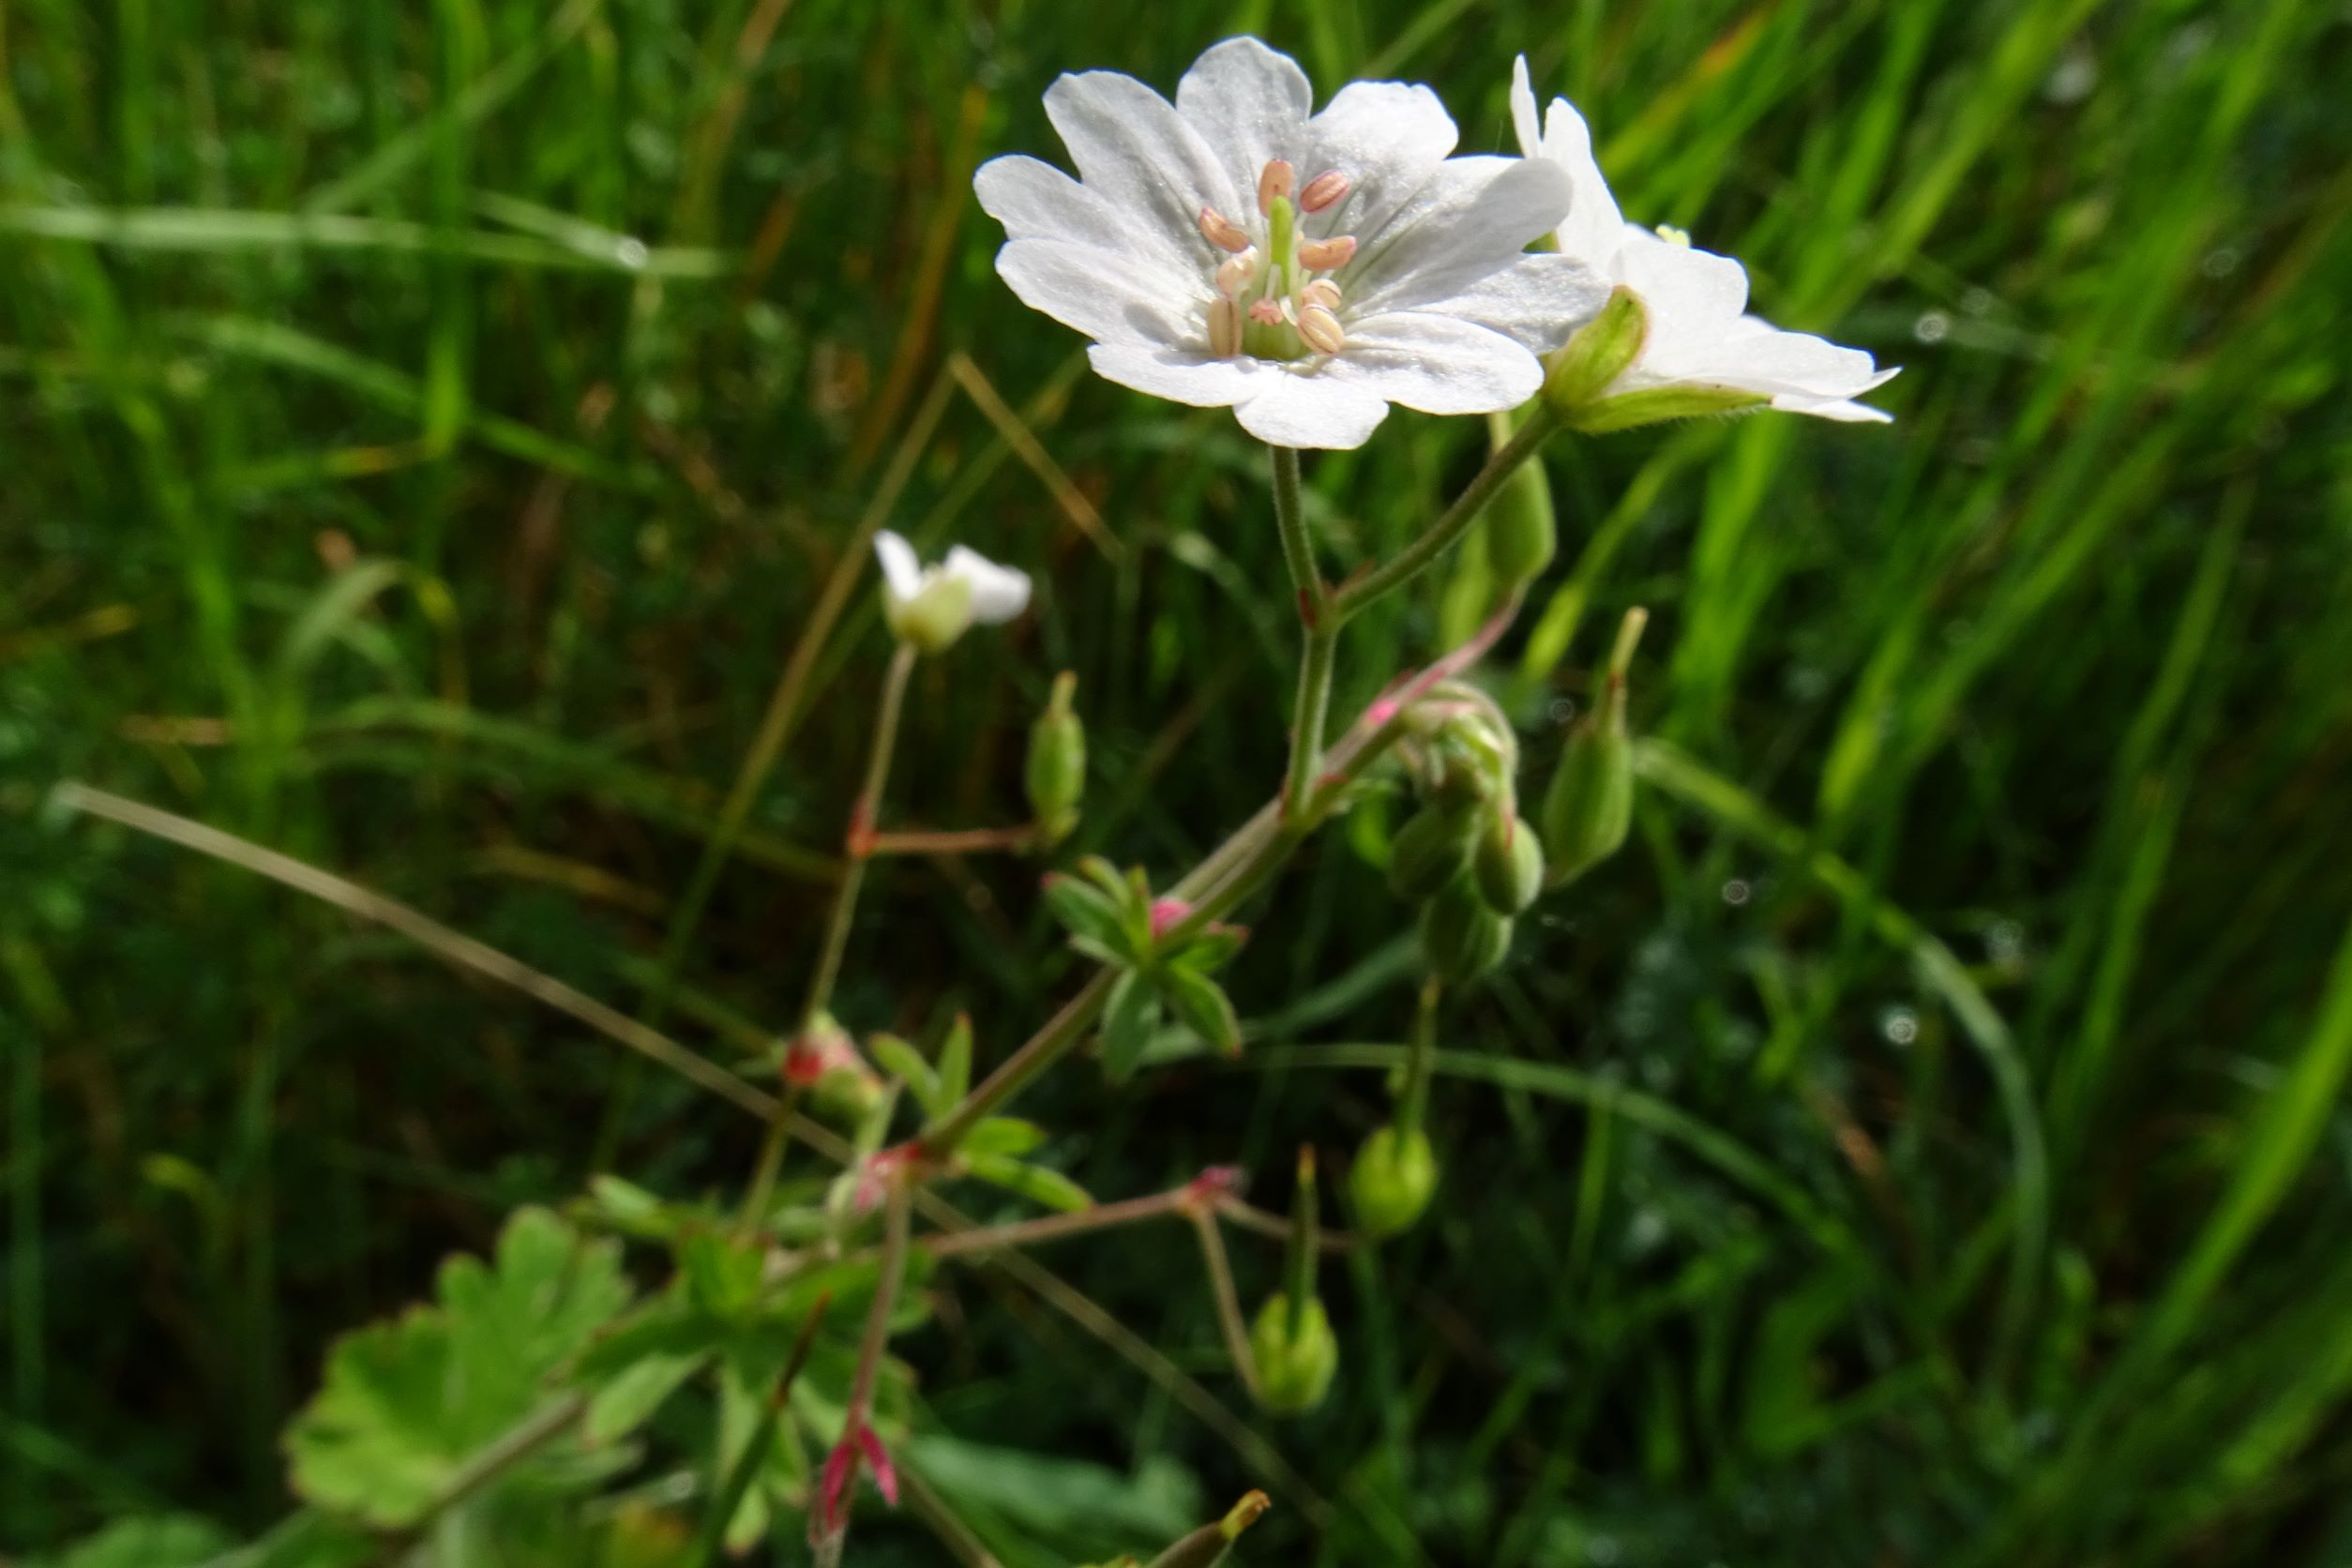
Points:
(1392, 1180)
(1521, 533)
(1056, 764)
(1461, 939)
(1589, 806)
(1295, 1361)
(1431, 850)
(1509, 862)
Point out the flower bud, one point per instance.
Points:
(1589, 806)
(1297, 1355)
(824, 1062)
(1208, 1547)
(1461, 938)
(1509, 862)
(1597, 354)
(1430, 851)
(1056, 764)
(1391, 1184)
(1521, 533)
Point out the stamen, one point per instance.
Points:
(1275, 181)
(1326, 255)
(1224, 328)
(1265, 312)
(1322, 292)
(1321, 329)
(1237, 273)
(1325, 189)
(1222, 231)
(1673, 235)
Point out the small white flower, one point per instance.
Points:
(1236, 249)
(1699, 335)
(932, 606)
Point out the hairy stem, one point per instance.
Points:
(858, 842)
(1321, 628)
(1422, 553)
(1229, 1303)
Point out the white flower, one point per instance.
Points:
(931, 606)
(1700, 336)
(1307, 270)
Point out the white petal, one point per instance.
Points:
(901, 570)
(1082, 288)
(1437, 364)
(1390, 138)
(1036, 201)
(1840, 410)
(1309, 408)
(1537, 300)
(1797, 362)
(1693, 287)
(1593, 225)
(1131, 147)
(1249, 103)
(998, 593)
(1523, 120)
(1473, 209)
(1178, 375)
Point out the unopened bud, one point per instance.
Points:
(1296, 1353)
(1222, 231)
(824, 1062)
(1056, 764)
(1589, 806)
(1321, 330)
(1328, 255)
(1509, 862)
(1597, 354)
(1275, 181)
(1207, 1547)
(1430, 851)
(1462, 937)
(1328, 188)
(1392, 1180)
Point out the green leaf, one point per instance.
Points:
(722, 1273)
(1203, 1006)
(1211, 950)
(955, 1063)
(905, 1063)
(1128, 1020)
(1034, 1182)
(1003, 1135)
(1098, 926)
(405, 1403)
(631, 1397)
(164, 1541)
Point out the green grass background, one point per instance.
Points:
(425, 429)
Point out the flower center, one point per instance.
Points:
(1276, 301)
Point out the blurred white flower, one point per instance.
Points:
(1235, 249)
(930, 606)
(1699, 339)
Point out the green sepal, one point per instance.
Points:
(1098, 927)
(1128, 1020)
(904, 1063)
(1598, 353)
(1033, 1182)
(1656, 404)
(1008, 1135)
(1202, 1007)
